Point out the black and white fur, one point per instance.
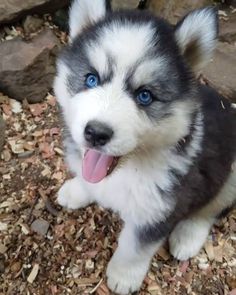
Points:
(177, 169)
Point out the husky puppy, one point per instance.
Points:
(144, 138)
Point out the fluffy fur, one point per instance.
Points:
(176, 170)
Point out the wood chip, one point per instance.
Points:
(3, 226)
(33, 274)
(218, 253)
(209, 250)
(86, 281)
(89, 264)
(15, 106)
(163, 253)
(25, 229)
(17, 147)
(3, 248)
(103, 290)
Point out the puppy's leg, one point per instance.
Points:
(189, 235)
(72, 195)
(130, 262)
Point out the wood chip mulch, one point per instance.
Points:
(45, 250)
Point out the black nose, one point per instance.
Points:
(97, 134)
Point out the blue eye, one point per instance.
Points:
(144, 97)
(91, 81)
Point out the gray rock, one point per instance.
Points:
(32, 24)
(173, 10)
(221, 71)
(124, 4)
(169, 9)
(27, 69)
(40, 226)
(2, 132)
(12, 10)
(228, 29)
(61, 19)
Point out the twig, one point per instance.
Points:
(32, 208)
(47, 203)
(96, 287)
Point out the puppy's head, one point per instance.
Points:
(125, 82)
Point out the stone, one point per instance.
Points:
(221, 71)
(61, 19)
(32, 24)
(174, 10)
(169, 9)
(27, 70)
(40, 226)
(2, 132)
(227, 32)
(13, 10)
(124, 4)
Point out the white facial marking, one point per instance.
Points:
(147, 71)
(60, 86)
(114, 39)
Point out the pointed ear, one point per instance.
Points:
(196, 35)
(86, 12)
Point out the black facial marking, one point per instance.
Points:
(75, 57)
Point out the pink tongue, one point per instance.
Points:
(95, 166)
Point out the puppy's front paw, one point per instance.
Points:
(72, 196)
(188, 237)
(125, 278)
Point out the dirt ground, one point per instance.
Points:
(46, 250)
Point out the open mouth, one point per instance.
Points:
(96, 165)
